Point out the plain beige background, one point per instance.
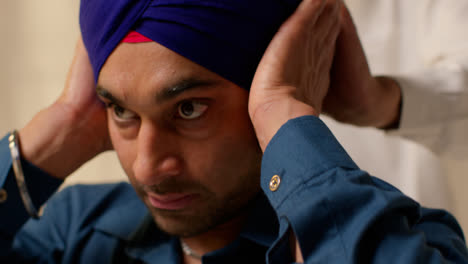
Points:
(38, 39)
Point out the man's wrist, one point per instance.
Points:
(50, 142)
(379, 105)
(269, 118)
(390, 104)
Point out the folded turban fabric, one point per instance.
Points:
(227, 37)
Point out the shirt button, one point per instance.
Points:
(3, 195)
(274, 183)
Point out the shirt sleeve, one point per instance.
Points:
(12, 211)
(435, 96)
(339, 213)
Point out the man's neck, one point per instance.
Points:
(215, 238)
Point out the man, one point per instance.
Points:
(191, 142)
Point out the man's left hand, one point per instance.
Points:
(293, 76)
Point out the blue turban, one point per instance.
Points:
(227, 37)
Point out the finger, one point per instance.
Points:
(347, 20)
(308, 12)
(326, 32)
(79, 86)
(329, 41)
(327, 24)
(333, 32)
(321, 45)
(305, 15)
(292, 31)
(348, 43)
(79, 45)
(348, 31)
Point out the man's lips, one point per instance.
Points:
(171, 201)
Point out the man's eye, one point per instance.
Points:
(191, 109)
(121, 113)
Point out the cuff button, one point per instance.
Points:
(3, 195)
(274, 183)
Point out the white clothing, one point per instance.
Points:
(424, 45)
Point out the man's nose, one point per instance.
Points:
(157, 155)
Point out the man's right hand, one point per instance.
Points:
(73, 130)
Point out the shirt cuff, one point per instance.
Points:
(40, 185)
(301, 152)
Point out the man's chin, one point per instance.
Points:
(201, 218)
(181, 225)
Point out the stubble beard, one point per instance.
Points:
(210, 210)
(192, 222)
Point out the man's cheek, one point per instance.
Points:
(126, 154)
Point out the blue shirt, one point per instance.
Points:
(339, 214)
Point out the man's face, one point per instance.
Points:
(183, 136)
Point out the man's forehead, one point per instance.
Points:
(151, 64)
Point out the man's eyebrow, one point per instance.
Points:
(181, 87)
(164, 95)
(106, 94)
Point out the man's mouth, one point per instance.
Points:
(171, 201)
